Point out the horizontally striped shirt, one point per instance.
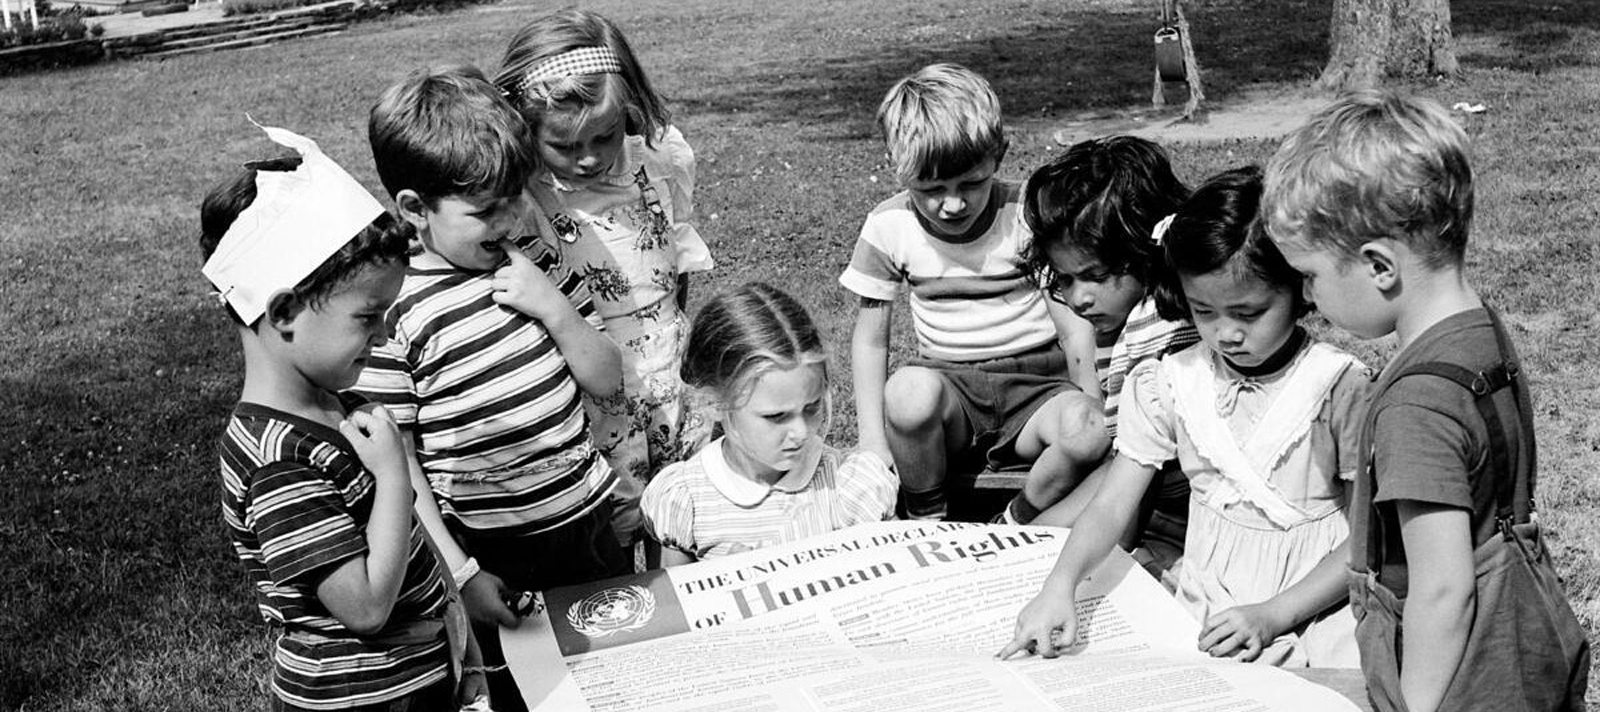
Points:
(970, 301)
(1145, 336)
(296, 501)
(500, 431)
(704, 508)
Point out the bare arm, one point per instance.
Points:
(1440, 599)
(361, 591)
(1077, 340)
(1115, 503)
(593, 358)
(673, 557)
(1244, 631)
(484, 593)
(869, 366)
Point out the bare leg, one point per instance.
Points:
(923, 421)
(1066, 439)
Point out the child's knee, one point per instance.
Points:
(913, 398)
(1079, 428)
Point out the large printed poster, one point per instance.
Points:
(890, 616)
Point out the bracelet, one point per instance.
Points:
(483, 669)
(467, 570)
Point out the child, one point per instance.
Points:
(315, 488)
(770, 479)
(1263, 421)
(1092, 211)
(488, 350)
(617, 187)
(992, 381)
(1459, 606)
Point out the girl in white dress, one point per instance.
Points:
(770, 479)
(1265, 422)
(614, 196)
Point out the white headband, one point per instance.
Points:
(1160, 231)
(299, 218)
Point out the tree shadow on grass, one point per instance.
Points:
(1529, 37)
(1096, 59)
(1089, 59)
(108, 497)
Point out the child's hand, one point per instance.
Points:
(1048, 625)
(1241, 632)
(377, 442)
(473, 692)
(485, 598)
(521, 285)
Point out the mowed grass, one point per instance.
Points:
(119, 370)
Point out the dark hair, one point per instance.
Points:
(385, 239)
(741, 333)
(565, 30)
(447, 131)
(1103, 197)
(1221, 226)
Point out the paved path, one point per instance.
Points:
(132, 23)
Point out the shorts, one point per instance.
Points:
(998, 397)
(582, 550)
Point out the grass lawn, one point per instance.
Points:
(123, 593)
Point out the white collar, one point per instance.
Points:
(747, 492)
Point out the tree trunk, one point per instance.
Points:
(1373, 40)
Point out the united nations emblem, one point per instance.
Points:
(612, 610)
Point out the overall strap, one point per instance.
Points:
(1513, 486)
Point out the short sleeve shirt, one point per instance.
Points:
(500, 430)
(703, 508)
(1429, 442)
(296, 501)
(970, 301)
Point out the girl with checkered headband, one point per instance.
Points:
(614, 195)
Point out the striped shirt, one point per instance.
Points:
(296, 501)
(1145, 336)
(970, 301)
(499, 427)
(705, 509)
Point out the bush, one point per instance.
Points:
(51, 29)
(251, 7)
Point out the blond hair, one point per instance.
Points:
(743, 333)
(1374, 164)
(941, 122)
(627, 91)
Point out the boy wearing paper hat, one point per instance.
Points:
(316, 490)
(490, 347)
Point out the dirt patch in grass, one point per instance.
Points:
(1260, 113)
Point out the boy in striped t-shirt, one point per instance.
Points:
(489, 348)
(316, 491)
(1005, 377)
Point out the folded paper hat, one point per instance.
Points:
(298, 219)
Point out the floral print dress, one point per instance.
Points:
(628, 233)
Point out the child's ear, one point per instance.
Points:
(282, 309)
(412, 208)
(1381, 261)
